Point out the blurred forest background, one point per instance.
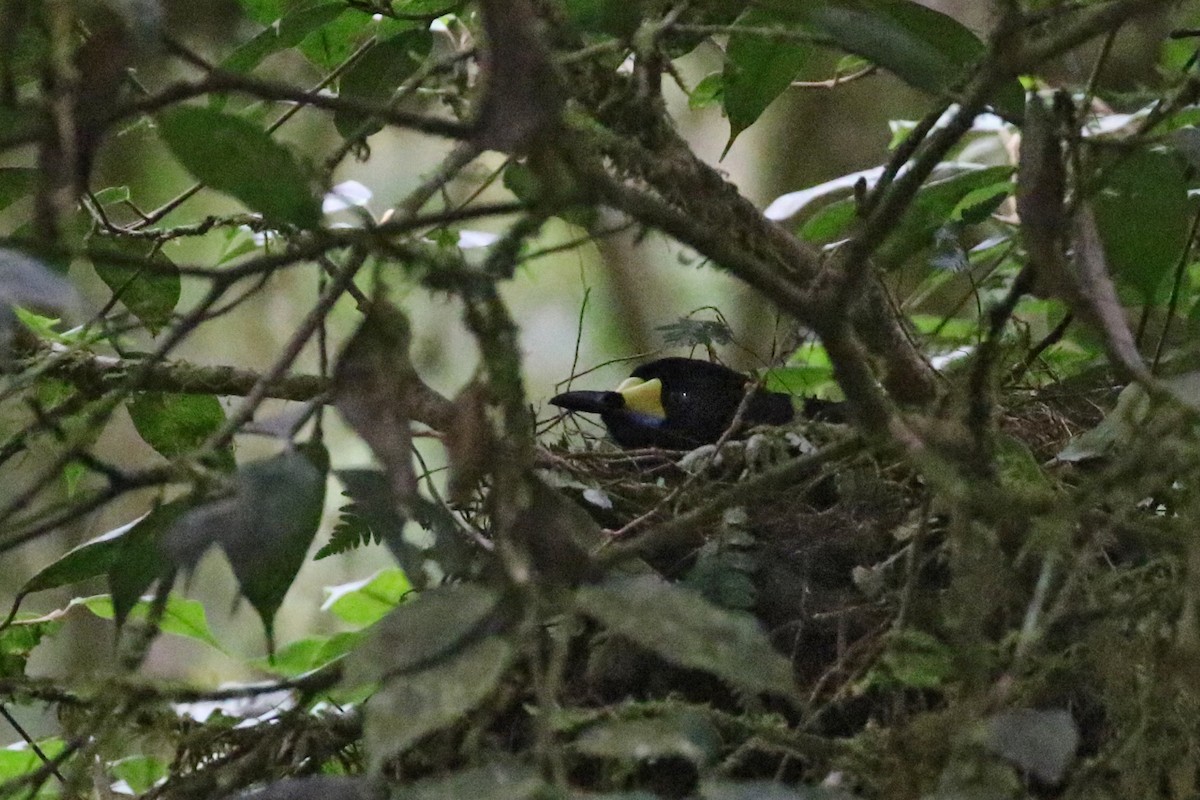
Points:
(633, 283)
(593, 306)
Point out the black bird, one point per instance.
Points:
(678, 403)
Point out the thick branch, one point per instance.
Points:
(96, 374)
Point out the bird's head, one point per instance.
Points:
(636, 395)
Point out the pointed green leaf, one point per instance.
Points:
(89, 560)
(235, 156)
(17, 642)
(924, 48)
(305, 655)
(182, 617)
(142, 773)
(262, 11)
(332, 43)
(757, 70)
(282, 33)
(139, 560)
(498, 780)
(934, 205)
(377, 75)
(1143, 215)
(417, 704)
(176, 424)
(264, 527)
(15, 183)
(18, 762)
(687, 734)
(685, 629)
(365, 602)
(424, 630)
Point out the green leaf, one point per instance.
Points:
(683, 628)
(377, 75)
(176, 424)
(112, 194)
(686, 734)
(305, 655)
(365, 602)
(91, 559)
(151, 292)
(142, 773)
(262, 11)
(720, 789)
(424, 630)
(350, 533)
(332, 44)
(15, 183)
(924, 48)
(619, 19)
(709, 91)
(808, 380)
(914, 660)
(757, 70)
(17, 642)
(933, 206)
(264, 527)
(281, 34)
(419, 703)
(139, 560)
(72, 473)
(1143, 215)
(978, 205)
(372, 516)
(182, 617)
(21, 760)
(235, 156)
(42, 327)
(494, 781)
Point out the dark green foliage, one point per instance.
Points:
(264, 526)
(150, 292)
(377, 75)
(683, 629)
(216, 147)
(978, 579)
(177, 424)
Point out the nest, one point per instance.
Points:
(828, 564)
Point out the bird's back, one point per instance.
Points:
(701, 397)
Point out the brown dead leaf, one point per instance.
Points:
(1095, 296)
(469, 444)
(378, 392)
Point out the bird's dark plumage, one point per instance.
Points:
(678, 403)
